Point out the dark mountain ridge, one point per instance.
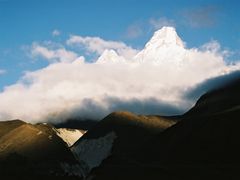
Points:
(203, 145)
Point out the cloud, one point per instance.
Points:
(72, 88)
(161, 22)
(2, 71)
(64, 90)
(52, 55)
(56, 32)
(98, 45)
(210, 84)
(204, 16)
(214, 46)
(138, 28)
(134, 30)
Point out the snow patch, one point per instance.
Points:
(91, 152)
(70, 136)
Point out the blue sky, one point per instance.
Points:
(27, 21)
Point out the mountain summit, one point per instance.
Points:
(110, 56)
(164, 46)
(165, 37)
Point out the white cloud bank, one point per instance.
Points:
(151, 82)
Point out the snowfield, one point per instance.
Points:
(70, 136)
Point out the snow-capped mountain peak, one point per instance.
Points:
(164, 46)
(166, 36)
(109, 55)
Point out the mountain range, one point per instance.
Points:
(202, 143)
(165, 45)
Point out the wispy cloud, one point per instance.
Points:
(135, 30)
(52, 55)
(205, 16)
(2, 71)
(56, 32)
(138, 28)
(158, 23)
(98, 45)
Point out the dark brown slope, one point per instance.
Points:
(7, 126)
(32, 152)
(121, 133)
(204, 145)
(131, 130)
